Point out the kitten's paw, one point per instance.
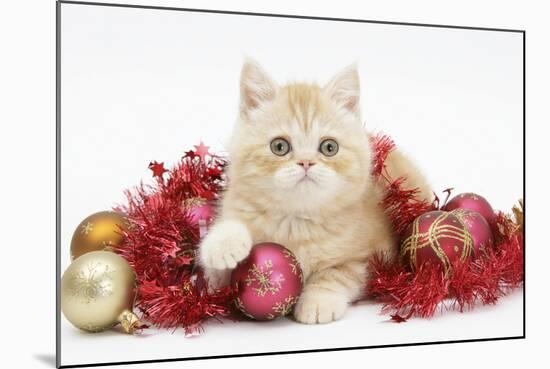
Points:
(226, 244)
(320, 306)
(217, 278)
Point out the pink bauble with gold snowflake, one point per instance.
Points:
(200, 212)
(268, 282)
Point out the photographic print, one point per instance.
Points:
(235, 184)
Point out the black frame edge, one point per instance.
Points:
(58, 184)
(524, 185)
(292, 352)
(295, 16)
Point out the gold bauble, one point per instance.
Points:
(99, 231)
(518, 214)
(97, 292)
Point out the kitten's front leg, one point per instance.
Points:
(217, 278)
(227, 243)
(328, 292)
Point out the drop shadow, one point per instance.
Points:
(48, 359)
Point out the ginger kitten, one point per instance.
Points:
(299, 175)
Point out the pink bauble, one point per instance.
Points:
(436, 237)
(479, 229)
(203, 212)
(474, 202)
(268, 282)
(199, 211)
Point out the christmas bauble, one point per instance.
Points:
(97, 292)
(436, 237)
(99, 231)
(479, 229)
(474, 202)
(268, 282)
(199, 210)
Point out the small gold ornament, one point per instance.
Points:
(97, 292)
(99, 231)
(518, 214)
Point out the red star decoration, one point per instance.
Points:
(202, 150)
(157, 168)
(190, 154)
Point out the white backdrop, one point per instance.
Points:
(142, 85)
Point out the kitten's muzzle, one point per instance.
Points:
(306, 164)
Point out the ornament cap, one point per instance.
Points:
(130, 322)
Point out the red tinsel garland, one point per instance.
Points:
(419, 293)
(401, 204)
(161, 241)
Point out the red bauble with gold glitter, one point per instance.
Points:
(479, 229)
(268, 282)
(436, 237)
(473, 202)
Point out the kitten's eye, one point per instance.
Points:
(280, 146)
(328, 147)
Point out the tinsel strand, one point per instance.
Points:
(161, 242)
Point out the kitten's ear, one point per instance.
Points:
(256, 86)
(344, 89)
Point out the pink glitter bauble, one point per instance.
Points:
(268, 282)
(474, 202)
(479, 229)
(203, 212)
(436, 237)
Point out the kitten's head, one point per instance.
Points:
(299, 147)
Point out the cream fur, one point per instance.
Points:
(331, 219)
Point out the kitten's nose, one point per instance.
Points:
(306, 164)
